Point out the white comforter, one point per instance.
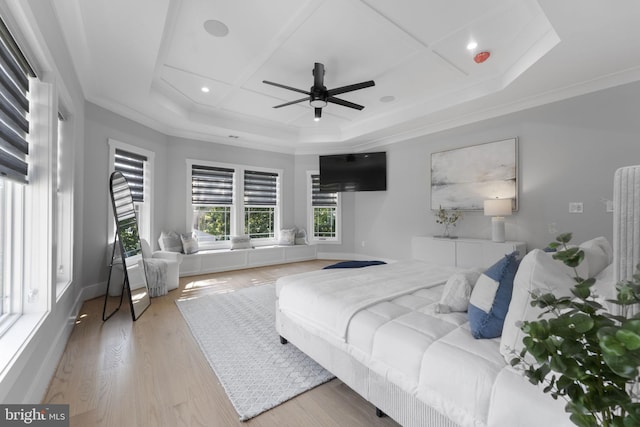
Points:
(328, 299)
(385, 318)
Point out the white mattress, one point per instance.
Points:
(401, 338)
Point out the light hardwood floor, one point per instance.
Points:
(152, 373)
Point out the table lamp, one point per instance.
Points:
(497, 209)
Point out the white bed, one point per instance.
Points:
(377, 329)
(417, 366)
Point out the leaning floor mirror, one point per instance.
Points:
(127, 242)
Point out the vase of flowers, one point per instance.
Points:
(448, 219)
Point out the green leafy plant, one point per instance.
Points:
(447, 218)
(582, 352)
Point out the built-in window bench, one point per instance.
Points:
(212, 261)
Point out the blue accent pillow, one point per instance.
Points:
(353, 264)
(491, 296)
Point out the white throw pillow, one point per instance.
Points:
(538, 273)
(301, 237)
(189, 243)
(597, 255)
(457, 291)
(241, 242)
(170, 242)
(287, 237)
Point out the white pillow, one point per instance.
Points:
(189, 243)
(241, 242)
(170, 242)
(598, 254)
(538, 273)
(287, 237)
(457, 291)
(301, 237)
(146, 249)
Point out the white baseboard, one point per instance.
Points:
(93, 291)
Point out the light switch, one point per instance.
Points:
(609, 205)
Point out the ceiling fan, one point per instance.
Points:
(318, 96)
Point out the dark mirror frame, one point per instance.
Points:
(128, 242)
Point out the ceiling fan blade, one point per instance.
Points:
(286, 87)
(292, 102)
(349, 88)
(318, 75)
(344, 103)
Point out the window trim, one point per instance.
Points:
(237, 209)
(64, 210)
(310, 215)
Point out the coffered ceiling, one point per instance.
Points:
(148, 60)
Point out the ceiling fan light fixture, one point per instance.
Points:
(318, 95)
(317, 115)
(318, 103)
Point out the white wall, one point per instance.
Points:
(568, 151)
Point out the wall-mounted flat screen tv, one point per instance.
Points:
(353, 172)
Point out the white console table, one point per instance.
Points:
(465, 253)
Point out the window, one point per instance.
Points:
(15, 80)
(324, 212)
(212, 202)
(64, 206)
(229, 200)
(136, 164)
(11, 249)
(260, 202)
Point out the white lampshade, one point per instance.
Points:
(497, 207)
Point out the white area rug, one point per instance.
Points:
(236, 332)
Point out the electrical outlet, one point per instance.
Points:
(575, 207)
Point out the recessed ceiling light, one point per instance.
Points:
(472, 45)
(205, 89)
(388, 98)
(216, 28)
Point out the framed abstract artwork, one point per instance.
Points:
(463, 178)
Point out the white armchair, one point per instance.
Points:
(173, 260)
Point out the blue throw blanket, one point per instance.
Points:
(353, 264)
